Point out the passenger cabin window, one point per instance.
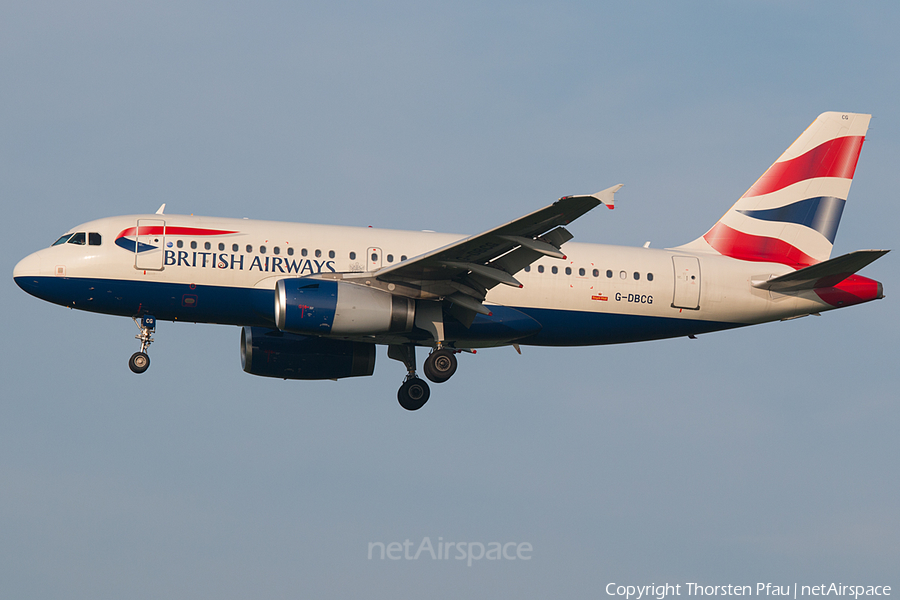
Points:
(581, 272)
(318, 253)
(596, 273)
(331, 254)
(290, 251)
(649, 276)
(353, 256)
(637, 276)
(528, 269)
(262, 249)
(540, 268)
(193, 244)
(180, 243)
(390, 258)
(303, 252)
(402, 257)
(221, 247)
(276, 250)
(609, 273)
(554, 270)
(77, 238)
(234, 247)
(207, 246)
(249, 248)
(62, 240)
(94, 239)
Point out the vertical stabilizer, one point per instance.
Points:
(791, 214)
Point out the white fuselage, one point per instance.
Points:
(692, 292)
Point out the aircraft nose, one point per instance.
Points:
(27, 271)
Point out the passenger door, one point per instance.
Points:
(150, 243)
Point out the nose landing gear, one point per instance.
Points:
(140, 361)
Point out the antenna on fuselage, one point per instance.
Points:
(161, 209)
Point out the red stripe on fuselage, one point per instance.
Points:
(158, 230)
(834, 158)
(757, 248)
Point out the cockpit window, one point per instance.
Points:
(77, 238)
(62, 240)
(94, 239)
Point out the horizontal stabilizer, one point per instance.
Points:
(821, 275)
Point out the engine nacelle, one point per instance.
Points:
(273, 353)
(323, 307)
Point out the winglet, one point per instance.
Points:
(607, 196)
(161, 209)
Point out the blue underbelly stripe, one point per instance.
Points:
(255, 307)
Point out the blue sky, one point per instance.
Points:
(767, 454)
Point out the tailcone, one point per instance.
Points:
(855, 289)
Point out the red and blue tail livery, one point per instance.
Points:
(313, 301)
(791, 214)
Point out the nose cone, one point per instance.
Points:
(28, 272)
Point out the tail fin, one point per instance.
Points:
(791, 214)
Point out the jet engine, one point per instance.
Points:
(273, 353)
(323, 307)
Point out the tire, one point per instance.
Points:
(139, 362)
(413, 394)
(440, 365)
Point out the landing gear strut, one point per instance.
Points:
(140, 361)
(440, 365)
(414, 392)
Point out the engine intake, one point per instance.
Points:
(322, 307)
(272, 353)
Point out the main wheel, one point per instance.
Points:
(139, 362)
(413, 394)
(440, 365)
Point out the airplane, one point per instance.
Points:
(313, 301)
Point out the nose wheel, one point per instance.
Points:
(140, 361)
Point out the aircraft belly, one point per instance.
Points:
(582, 328)
(166, 301)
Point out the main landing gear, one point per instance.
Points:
(140, 361)
(439, 367)
(414, 392)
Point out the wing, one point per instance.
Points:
(463, 272)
